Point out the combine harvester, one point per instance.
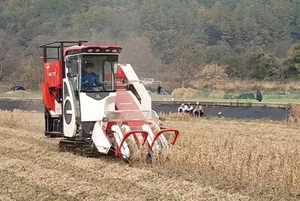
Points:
(115, 116)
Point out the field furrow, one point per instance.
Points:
(32, 168)
(214, 159)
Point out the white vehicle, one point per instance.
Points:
(109, 115)
(147, 81)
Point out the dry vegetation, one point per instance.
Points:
(235, 84)
(219, 89)
(235, 160)
(185, 92)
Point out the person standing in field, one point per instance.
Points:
(258, 96)
(159, 87)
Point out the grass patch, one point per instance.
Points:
(21, 94)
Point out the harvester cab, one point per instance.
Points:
(96, 105)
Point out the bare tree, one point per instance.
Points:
(185, 63)
(137, 52)
(184, 67)
(211, 75)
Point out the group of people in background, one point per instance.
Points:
(196, 111)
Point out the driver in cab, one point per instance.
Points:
(89, 79)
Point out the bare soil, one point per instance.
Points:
(214, 159)
(32, 168)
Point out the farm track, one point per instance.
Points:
(32, 168)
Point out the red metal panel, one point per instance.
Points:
(53, 74)
(120, 74)
(176, 133)
(47, 98)
(124, 101)
(142, 133)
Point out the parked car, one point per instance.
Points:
(147, 81)
(17, 88)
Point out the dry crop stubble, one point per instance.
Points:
(31, 121)
(213, 159)
(258, 158)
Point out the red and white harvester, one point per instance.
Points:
(107, 119)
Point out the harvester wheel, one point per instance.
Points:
(63, 147)
(78, 151)
(83, 152)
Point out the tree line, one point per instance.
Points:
(171, 40)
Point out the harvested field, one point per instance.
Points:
(214, 159)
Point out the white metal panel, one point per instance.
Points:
(119, 137)
(100, 140)
(163, 141)
(93, 110)
(57, 111)
(151, 136)
(129, 72)
(58, 107)
(132, 77)
(146, 103)
(69, 129)
(126, 129)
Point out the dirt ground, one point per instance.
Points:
(32, 168)
(213, 159)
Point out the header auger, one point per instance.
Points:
(100, 110)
